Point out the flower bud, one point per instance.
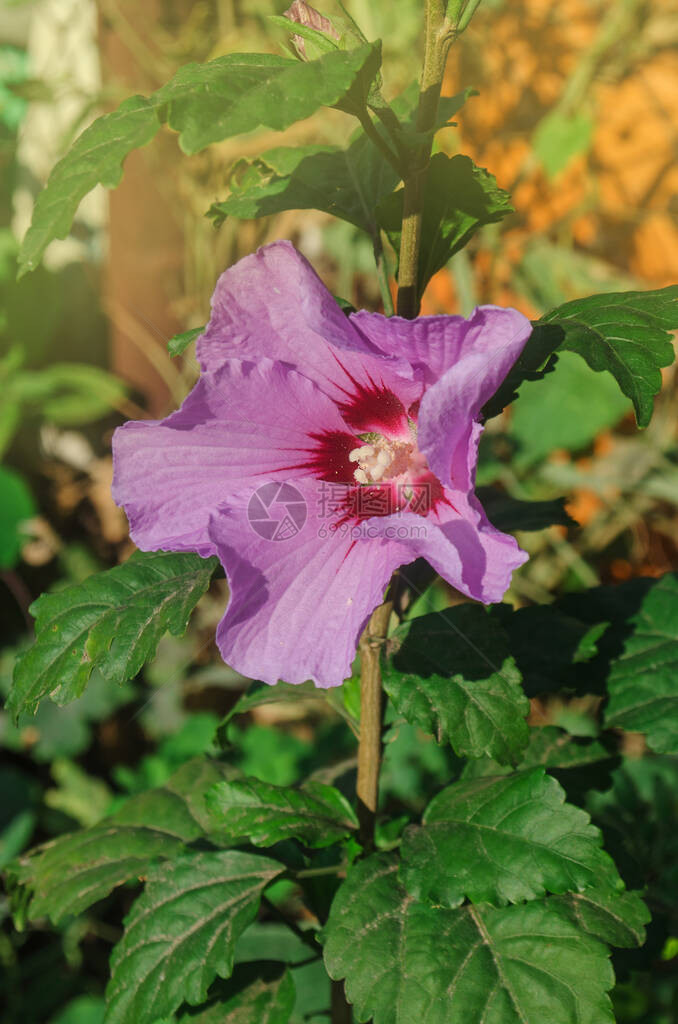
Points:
(303, 14)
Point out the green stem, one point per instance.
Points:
(377, 138)
(382, 275)
(440, 34)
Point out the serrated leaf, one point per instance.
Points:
(316, 814)
(70, 873)
(112, 621)
(241, 91)
(257, 994)
(459, 197)
(616, 918)
(503, 840)
(181, 933)
(205, 103)
(348, 183)
(95, 158)
(180, 342)
(625, 333)
(453, 676)
(643, 680)
(405, 961)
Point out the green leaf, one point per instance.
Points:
(95, 158)
(69, 874)
(503, 840)
(558, 138)
(459, 197)
(180, 342)
(348, 183)
(75, 393)
(241, 91)
(405, 961)
(453, 676)
(616, 918)
(566, 410)
(316, 814)
(643, 681)
(205, 103)
(258, 994)
(16, 505)
(113, 621)
(625, 333)
(181, 933)
(509, 514)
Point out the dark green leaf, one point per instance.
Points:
(458, 199)
(262, 994)
(510, 514)
(181, 932)
(95, 158)
(205, 103)
(616, 918)
(503, 840)
(453, 676)
(536, 360)
(348, 183)
(180, 342)
(405, 961)
(70, 873)
(317, 815)
(113, 621)
(16, 506)
(643, 681)
(625, 333)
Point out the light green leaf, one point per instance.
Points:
(453, 676)
(459, 197)
(16, 506)
(316, 814)
(181, 933)
(205, 103)
(625, 333)
(95, 158)
(565, 410)
(180, 342)
(503, 840)
(113, 621)
(643, 680)
(258, 994)
(241, 91)
(405, 961)
(348, 183)
(558, 138)
(70, 873)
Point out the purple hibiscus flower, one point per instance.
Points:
(360, 434)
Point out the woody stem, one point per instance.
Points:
(369, 748)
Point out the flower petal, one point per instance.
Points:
(272, 303)
(298, 605)
(241, 423)
(462, 546)
(450, 406)
(432, 344)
